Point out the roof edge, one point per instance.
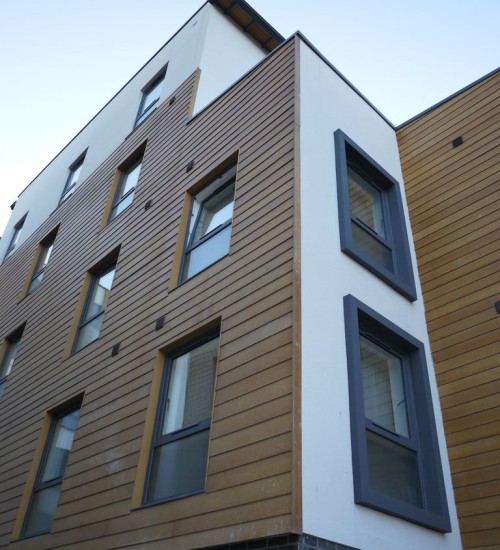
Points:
(453, 95)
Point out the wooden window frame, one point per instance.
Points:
(433, 513)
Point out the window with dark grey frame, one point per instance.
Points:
(15, 237)
(47, 488)
(372, 223)
(73, 177)
(150, 97)
(11, 347)
(209, 232)
(396, 461)
(179, 452)
(92, 317)
(125, 190)
(44, 254)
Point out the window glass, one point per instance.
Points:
(95, 307)
(126, 189)
(11, 347)
(383, 390)
(47, 489)
(72, 181)
(209, 235)
(366, 202)
(41, 264)
(15, 237)
(180, 447)
(150, 98)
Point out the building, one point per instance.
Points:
(450, 164)
(213, 329)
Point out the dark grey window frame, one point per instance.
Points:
(15, 237)
(160, 440)
(144, 112)
(39, 485)
(361, 319)
(189, 245)
(78, 163)
(13, 339)
(108, 266)
(402, 279)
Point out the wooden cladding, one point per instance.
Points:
(250, 466)
(453, 193)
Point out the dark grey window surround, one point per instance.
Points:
(401, 278)
(360, 319)
(179, 435)
(145, 110)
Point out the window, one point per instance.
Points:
(44, 253)
(372, 225)
(126, 188)
(47, 488)
(396, 461)
(180, 443)
(72, 181)
(15, 237)
(9, 352)
(210, 225)
(94, 308)
(150, 97)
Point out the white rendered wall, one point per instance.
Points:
(329, 511)
(208, 41)
(227, 54)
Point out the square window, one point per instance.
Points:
(209, 230)
(179, 451)
(15, 237)
(9, 351)
(47, 488)
(150, 97)
(125, 190)
(92, 317)
(73, 177)
(372, 225)
(396, 461)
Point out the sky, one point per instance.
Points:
(62, 60)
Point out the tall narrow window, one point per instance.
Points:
(47, 488)
(44, 253)
(9, 352)
(94, 309)
(126, 188)
(397, 467)
(15, 237)
(372, 225)
(210, 224)
(73, 177)
(180, 446)
(150, 97)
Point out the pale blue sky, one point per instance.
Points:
(61, 60)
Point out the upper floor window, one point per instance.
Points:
(126, 188)
(209, 231)
(179, 452)
(94, 307)
(44, 253)
(150, 97)
(396, 461)
(47, 487)
(73, 177)
(15, 237)
(372, 224)
(8, 355)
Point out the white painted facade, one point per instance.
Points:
(208, 41)
(327, 103)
